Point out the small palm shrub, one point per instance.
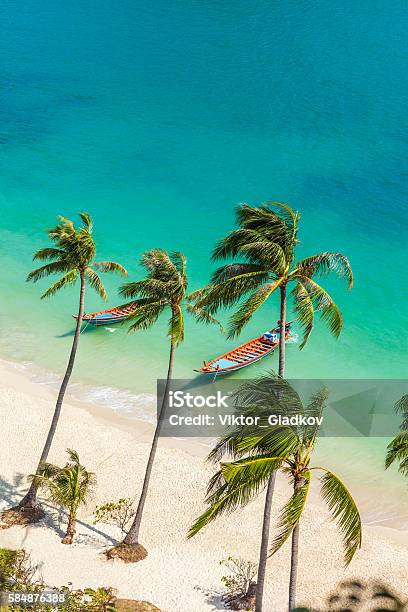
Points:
(68, 487)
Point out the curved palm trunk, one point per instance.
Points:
(294, 562)
(69, 536)
(263, 554)
(29, 500)
(132, 537)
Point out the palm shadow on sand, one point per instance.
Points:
(55, 519)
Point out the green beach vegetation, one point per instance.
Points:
(19, 574)
(258, 452)
(163, 290)
(265, 243)
(68, 487)
(397, 451)
(73, 257)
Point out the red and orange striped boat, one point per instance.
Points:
(246, 354)
(109, 316)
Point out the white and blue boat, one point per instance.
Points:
(109, 316)
(246, 354)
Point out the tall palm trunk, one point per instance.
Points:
(132, 537)
(69, 536)
(294, 561)
(263, 554)
(29, 500)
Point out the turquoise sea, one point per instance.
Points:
(158, 118)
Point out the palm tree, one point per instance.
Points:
(397, 450)
(163, 289)
(262, 450)
(69, 487)
(73, 257)
(266, 242)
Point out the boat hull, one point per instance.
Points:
(245, 354)
(110, 316)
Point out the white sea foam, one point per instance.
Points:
(133, 405)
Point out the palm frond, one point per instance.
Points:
(255, 469)
(344, 511)
(96, 282)
(324, 305)
(86, 220)
(68, 279)
(176, 326)
(304, 310)
(110, 266)
(230, 245)
(401, 407)
(158, 262)
(227, 500)
(148, 288)
(291, 513)
(397, 451)
(235, 271)
(314, 409)
(203, 316)
(56, 267)
(49, 253)
(240, 318)
(69, 486)
(226, 497)
(324, 263)
(274, 220)
(268, 254)
(146, 314)
(231, 290)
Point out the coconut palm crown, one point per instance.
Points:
(163, 288)
(260, 450)
(72, 257)
(265, 245)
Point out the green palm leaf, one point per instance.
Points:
(249, 307)
(96, 282)
(401, 407)
(110, 266)
(231, 290)
(291, 513)
(324, 305)
(68, 279)
(255, 470)
(229, 499)
(145, 314)
(344, 510)
(202, 316)
(324, 263)
(304, 310)
(56, 267)
(397, 450)
(176, 326)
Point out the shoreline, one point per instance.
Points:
(43, 384)
(116, 448)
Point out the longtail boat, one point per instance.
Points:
(109, 316)
(246, 354)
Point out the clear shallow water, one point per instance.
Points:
(158, 118)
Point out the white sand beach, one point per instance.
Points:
(179, 575)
